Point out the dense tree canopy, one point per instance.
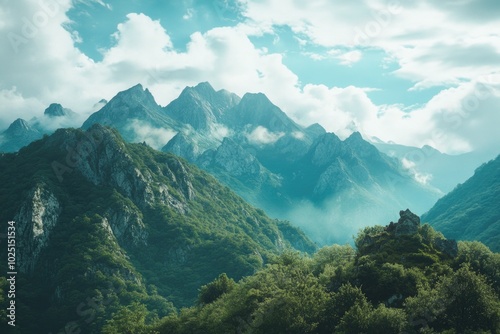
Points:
(343, 290)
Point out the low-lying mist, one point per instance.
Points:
(338, 220)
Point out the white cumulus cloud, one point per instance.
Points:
(262, 136)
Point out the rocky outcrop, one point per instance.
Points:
(179, 174)
(447, 246)
(101, 157)
(407, 224)
(36, 219)
(127, 226)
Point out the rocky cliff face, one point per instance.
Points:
(182, 146)
(100, 156)
(36, 219)
(126, 225)
(201, 106)
(231, 158)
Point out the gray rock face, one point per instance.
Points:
(407, 224)
(180, 145)
(232, 158)
(102, 159)
(333, 180)
(127, 226)
(256, 110)
(200, 106)
(447, 246)
(326, 150)
(36, 219)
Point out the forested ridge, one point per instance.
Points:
(401, 278)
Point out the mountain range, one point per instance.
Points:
(252, 146)
(302, 174)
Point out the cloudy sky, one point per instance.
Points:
(412, 72)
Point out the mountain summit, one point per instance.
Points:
(201, 106)
(129, 110)
(17, 135)
(57, 110)
(257, 110)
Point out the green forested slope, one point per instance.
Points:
(103, 224)
(471, 210)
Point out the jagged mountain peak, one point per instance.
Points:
(18, 125)
(20, 133)
(255, 109)
(200, 106)
(325, 149)
(257, 100)
(138, 88)
(203, 88)
(256, 97)
(355, 136)
(57, 110)
(315, 130)
(131, 111)
(361, 146)
(136, 92)
(328, 138)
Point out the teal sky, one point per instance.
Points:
(415, 73)
(96, 24)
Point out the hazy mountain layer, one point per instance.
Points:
(433, 167)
